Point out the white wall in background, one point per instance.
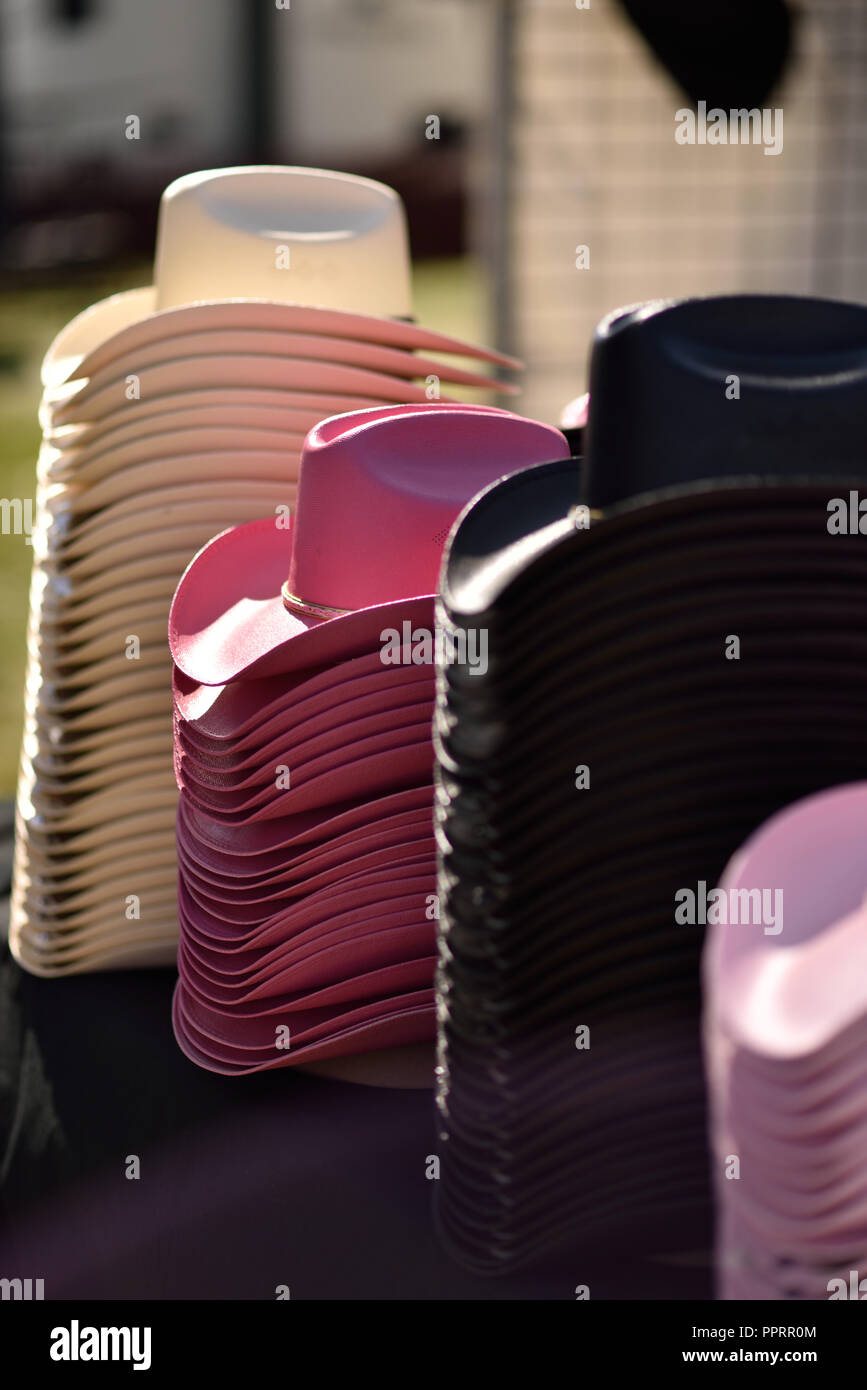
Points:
(358, 76)
(352, 76)
(68, 87)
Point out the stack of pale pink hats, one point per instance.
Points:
(280, 297)
(785, 1033)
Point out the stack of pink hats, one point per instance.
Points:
(304, 685)
(785, 971)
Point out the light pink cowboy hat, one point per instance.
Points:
(785, 1026)
(378, 493)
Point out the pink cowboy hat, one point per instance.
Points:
(378, 492)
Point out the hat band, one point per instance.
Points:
(313, 610)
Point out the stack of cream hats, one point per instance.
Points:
(281, 297)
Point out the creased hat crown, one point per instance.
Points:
(376, 500)
(730, 386)
(306, 236)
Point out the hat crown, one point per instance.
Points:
(294, 235)
(378, 497)
(802, 985)
(768, 385)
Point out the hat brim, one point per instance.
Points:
(362, 851)
(244, 916)
(239, 717)
(503, 529)
(236, 408)
(288, 346)
(122, 529)
(289, 836)
(406, 1025)
(228, 959)
(361, 896)
(83, 400)
(278, 467)
(228, 620)
(130, 321)
(75, 468)
(148, 954)
(388, 691)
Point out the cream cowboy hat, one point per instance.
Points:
(280, 297)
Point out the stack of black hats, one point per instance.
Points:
(676, 638)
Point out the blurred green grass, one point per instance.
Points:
(449, 295)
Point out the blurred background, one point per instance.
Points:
(532, 141)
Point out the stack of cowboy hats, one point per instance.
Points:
(785, 1027)
(304, 685)
(676, 649)
(281, 296)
